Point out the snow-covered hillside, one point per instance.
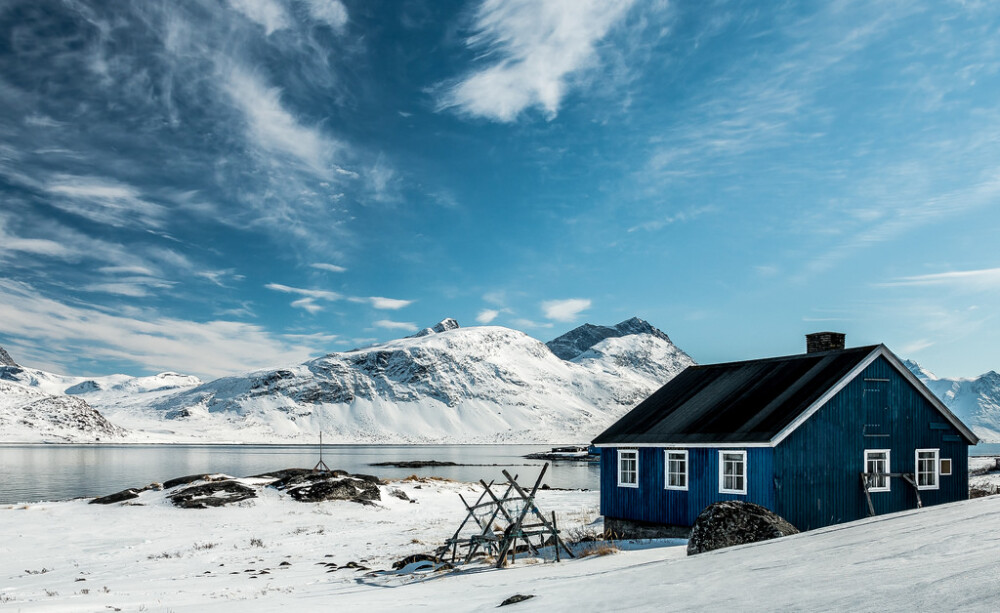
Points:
(976, 401)
(445, 384)
(40, 406)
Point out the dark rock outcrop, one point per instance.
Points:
(5, 359)
(578, 340)
(213, 494)
(122, 496)
(338, 488)
(734, 522)
(190, 479)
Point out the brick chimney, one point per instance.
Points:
(824, 341)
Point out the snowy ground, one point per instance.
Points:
(70, 556)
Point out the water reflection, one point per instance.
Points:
(30, 473)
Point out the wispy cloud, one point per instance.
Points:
(395, 325)
(390, 304)
(529, 323)
(310, 297)
(104, 201)
(274, 128)
(983, 279)
(487, 315)
(331, 12)
(270, 14)
(328, 267)
(157, 343)
(565, 310)
(678, 217)
(532, 48)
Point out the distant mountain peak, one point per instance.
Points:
(578, 340)
(442, 326)
(5, 359)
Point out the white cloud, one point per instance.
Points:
(307, 304)
(144, 337)
(317, 294)
(328, 267)
(273, 128)
(527, 323)
(535, 46)
(916, 346)
(331, 12)
(984, 279)
(267, 13)
(395, 325)
(104, 201)
(487, 315)
(565, 310)
(388, 304)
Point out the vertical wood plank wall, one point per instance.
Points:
(652, 502)
(817, 467)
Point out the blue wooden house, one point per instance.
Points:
(828, 436)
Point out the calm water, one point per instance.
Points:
(30, 473)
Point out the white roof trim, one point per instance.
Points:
(720, 445)
(880, 351)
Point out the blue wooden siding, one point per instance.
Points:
(817, 467)
(652, 502)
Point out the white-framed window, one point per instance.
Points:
(945, 467)
(927, 469)
(628, 468)
(877, 467)
(733, 472)
(676, 462)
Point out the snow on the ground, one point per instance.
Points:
(155, 557)
(146, 554)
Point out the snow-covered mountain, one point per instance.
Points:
(445, 384)
(40, 406)
(30, 413)
(975, 401)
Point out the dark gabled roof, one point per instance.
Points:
(745, 402)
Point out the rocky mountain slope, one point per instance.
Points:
(446, 384)
(976, 401)
(28, 413)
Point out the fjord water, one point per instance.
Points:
(31, 473)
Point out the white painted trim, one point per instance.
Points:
(718, 445)
(830, 393)
(666, 470)
(937, 468)
(888, 468)
(619, 465)
(941, 462)
(722, 468)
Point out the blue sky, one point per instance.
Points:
(215, 186)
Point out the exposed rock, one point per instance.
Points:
(122, 496)
(417, 557)
(582, 338)
(442, 326)
(213, 494)
(399, 494)
(5, 359)
(337, 488)
(191, 479)
(734, 522)
(415, 464)
(516, 598)
(295, 478)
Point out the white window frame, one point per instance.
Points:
(888, 469)
(941, 467)
(722, 470)
(634, 454)
(936, 465)
(666, 469)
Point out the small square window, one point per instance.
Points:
(945, 466)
